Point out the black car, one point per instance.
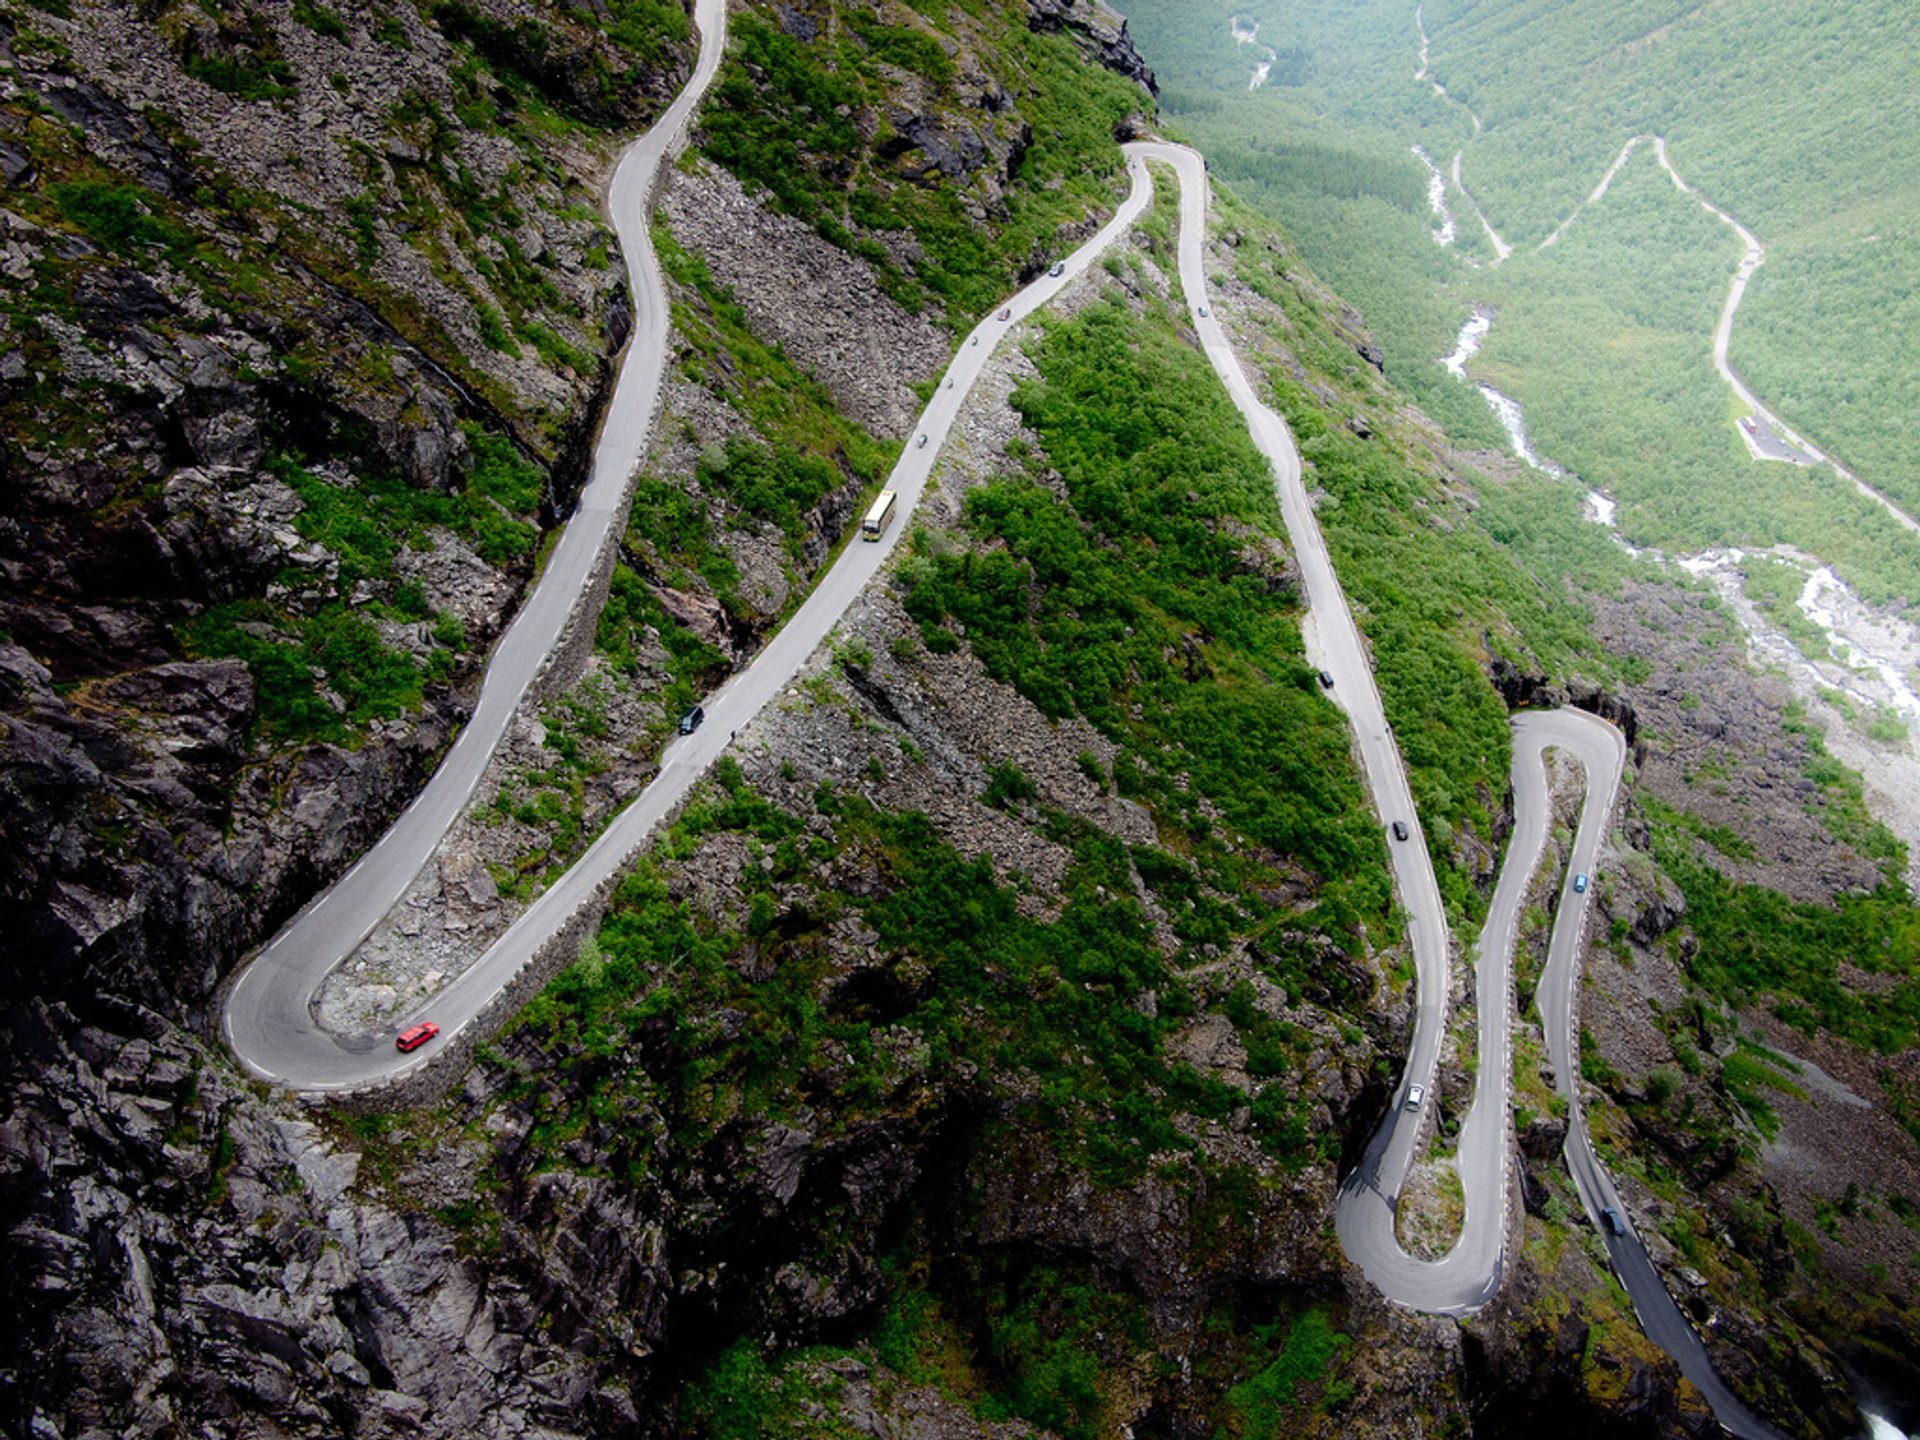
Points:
(690, 721)
(1326, 679)
(1399, 829)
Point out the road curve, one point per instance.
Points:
(1334, 645)
(1602, 751)
(1469, 1274)
(269, 1020)
(266, 1020)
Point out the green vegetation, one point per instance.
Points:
(282, 652)
(808, 448)
(1141, 602)
(1756, 945)
(685, 1025)
(1842, 805)
(119, 217)
(1259, 1408)
(1052, 1345)
(365, 525)
(1750, 1069)
(1610, 355)
(1002, 991)
(1822, 171)
(320, 19)
(789, 116)
(241, 57)
(569, 72)
(1437, 586)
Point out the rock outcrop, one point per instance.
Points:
(1099, 30)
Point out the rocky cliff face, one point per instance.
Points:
(1098, 30)
(308, 315)
(978, 1054)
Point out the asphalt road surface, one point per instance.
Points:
(1602, 751)
(1333, 644)
(1469, 1275)
(269, 1021)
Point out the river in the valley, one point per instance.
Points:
(1855, 666)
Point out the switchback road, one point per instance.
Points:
(1469, 1275)
(269, 1019)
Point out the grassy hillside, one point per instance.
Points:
(1797, 121)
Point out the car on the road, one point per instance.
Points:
(1326, 680)
(1610, 1217)
(1007, 313)
(690, 721)
(921, 443)
(1059, 267)
(1204, 312)
(1580, 883)
(1399, 829)
(1415, 1095)
(414, 1036)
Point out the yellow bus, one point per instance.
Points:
(879, 517)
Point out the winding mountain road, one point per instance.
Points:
(269, 1019)
(1470, 1274)
(1602, 752)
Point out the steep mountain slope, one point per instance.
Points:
(308, 320)
(976, 1054)
(1751, 1006)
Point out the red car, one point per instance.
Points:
(414, 1036)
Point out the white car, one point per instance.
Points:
(1416, 1094)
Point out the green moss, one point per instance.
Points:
(1260, 1407)
(123, 218)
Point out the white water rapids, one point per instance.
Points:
(1437, 199)
(1505, 408)
(1248, 33)
(1866, 677)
